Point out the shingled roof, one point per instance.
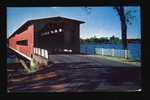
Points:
(46, 20)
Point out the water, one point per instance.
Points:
(134, 49)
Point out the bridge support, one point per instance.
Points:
(39, 60)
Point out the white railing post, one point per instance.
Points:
(42, 52)
(126, 53)
(35, 50)
(38, 51)
(46, 54)
(96, 51)
(113, 52)
(102, 52)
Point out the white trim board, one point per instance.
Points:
(21, 53)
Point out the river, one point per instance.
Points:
(134, 48)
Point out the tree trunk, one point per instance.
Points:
(123, 29)
(122, 16)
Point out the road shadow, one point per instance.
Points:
(74, 77)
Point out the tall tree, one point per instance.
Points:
(124, 19)
(122, 16)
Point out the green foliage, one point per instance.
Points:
(34, 67)
(114, 40)
(130, 17)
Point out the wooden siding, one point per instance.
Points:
(25, 35)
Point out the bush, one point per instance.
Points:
(34, 67)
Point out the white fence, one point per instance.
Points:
(112, 52)
(41, 52)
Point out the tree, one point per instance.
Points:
(120, 11)
(124, 19)
(95, 40)
(115, 40)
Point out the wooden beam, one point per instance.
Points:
(20, 53)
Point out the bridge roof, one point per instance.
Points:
(57, 19)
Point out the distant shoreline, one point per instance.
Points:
(108, 43)
(112, 40)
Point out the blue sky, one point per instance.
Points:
(101, 22)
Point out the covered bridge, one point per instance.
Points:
(55, 34)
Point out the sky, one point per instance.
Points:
(99, 21)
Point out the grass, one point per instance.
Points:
(122, 60)
(34, 67)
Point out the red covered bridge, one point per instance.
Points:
(46, 36)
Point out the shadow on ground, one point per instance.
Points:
(74, 77)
